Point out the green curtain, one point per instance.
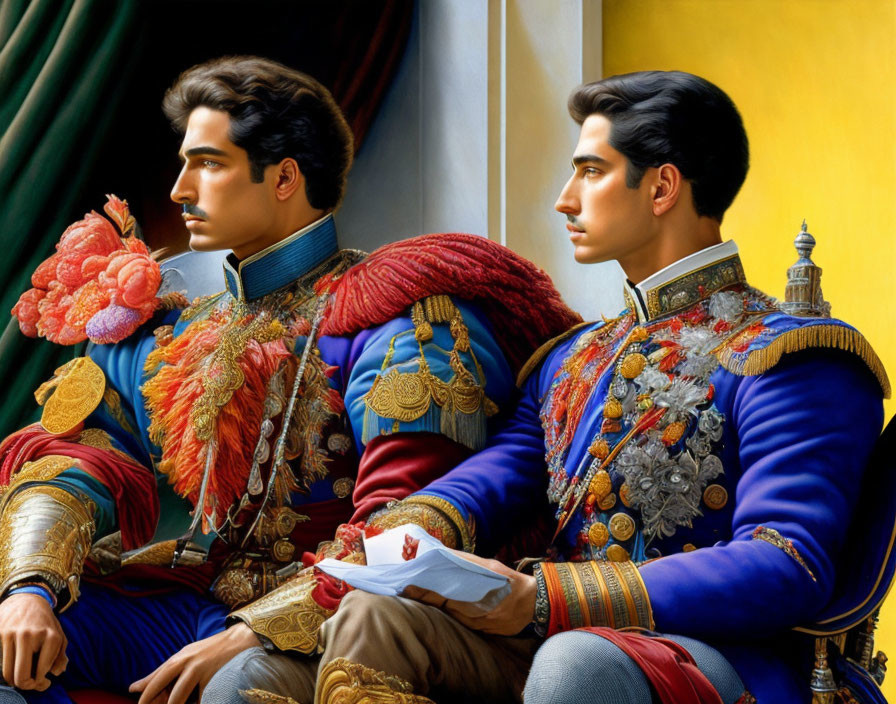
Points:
(62, 63)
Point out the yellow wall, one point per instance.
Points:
(815, 81)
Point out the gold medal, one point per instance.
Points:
(623, 495)
(617, 553)
(715, 496)
(622, 526)
(608, 502)
(598, 535)
(342, 487)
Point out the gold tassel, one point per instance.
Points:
(829, 336)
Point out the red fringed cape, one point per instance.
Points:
(520, 300)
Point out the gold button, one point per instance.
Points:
(612, 409)
(632, 365)
(688, 547)
(623, 495)
(639, 335)
(617, 553)
(608, 502)
(343, 487)
(283, 550)
(622, 526)
(598, 535)
(715, 496)
(339, 442)
(600, 484)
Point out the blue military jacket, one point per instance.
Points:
(716, 442)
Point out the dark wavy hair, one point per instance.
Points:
(671, 117)
(275, 112)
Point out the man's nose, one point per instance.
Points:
(183, 190)
(567, 202)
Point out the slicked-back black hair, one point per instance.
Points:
(275, 112)
(672, 117)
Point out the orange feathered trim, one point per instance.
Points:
(175, 390)
(519, 299)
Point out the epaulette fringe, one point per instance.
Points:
(831, 336)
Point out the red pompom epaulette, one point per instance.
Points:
(100, 283)
(518, 298)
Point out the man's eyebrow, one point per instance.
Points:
(589, 159)
(203, 151)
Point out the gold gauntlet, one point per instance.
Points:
(436, 516)
(596, 593)
(45, 534)
(288, 616)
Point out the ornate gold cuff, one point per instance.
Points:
(288, 617)
(345, 682)
(45, 534)
(597, 593)
(436, 516)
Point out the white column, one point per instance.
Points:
(474, 136)
(548, 49)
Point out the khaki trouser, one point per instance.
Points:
(437, 655)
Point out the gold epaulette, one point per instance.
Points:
(543, 351)
(74, 392)
(810, 336)
(398, 396)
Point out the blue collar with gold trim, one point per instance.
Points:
(281, 263)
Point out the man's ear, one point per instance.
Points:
(288, 179)
(666, 188)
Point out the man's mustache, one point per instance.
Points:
(190, 209)
(573, 220)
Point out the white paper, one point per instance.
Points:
(435, 568)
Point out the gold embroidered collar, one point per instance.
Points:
(685, 282)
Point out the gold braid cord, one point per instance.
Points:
(45, 535)
(436, 516)
(345, 682)
(288, 616)
(398, 396)
(596, 593)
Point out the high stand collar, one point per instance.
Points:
(283, 262)
(685, 282)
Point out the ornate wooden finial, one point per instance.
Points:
(822, 684)
(803, 295)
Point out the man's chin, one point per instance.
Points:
(204, 243)
(588, 255)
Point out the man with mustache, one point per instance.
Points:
(196, 464)
(701, 455)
